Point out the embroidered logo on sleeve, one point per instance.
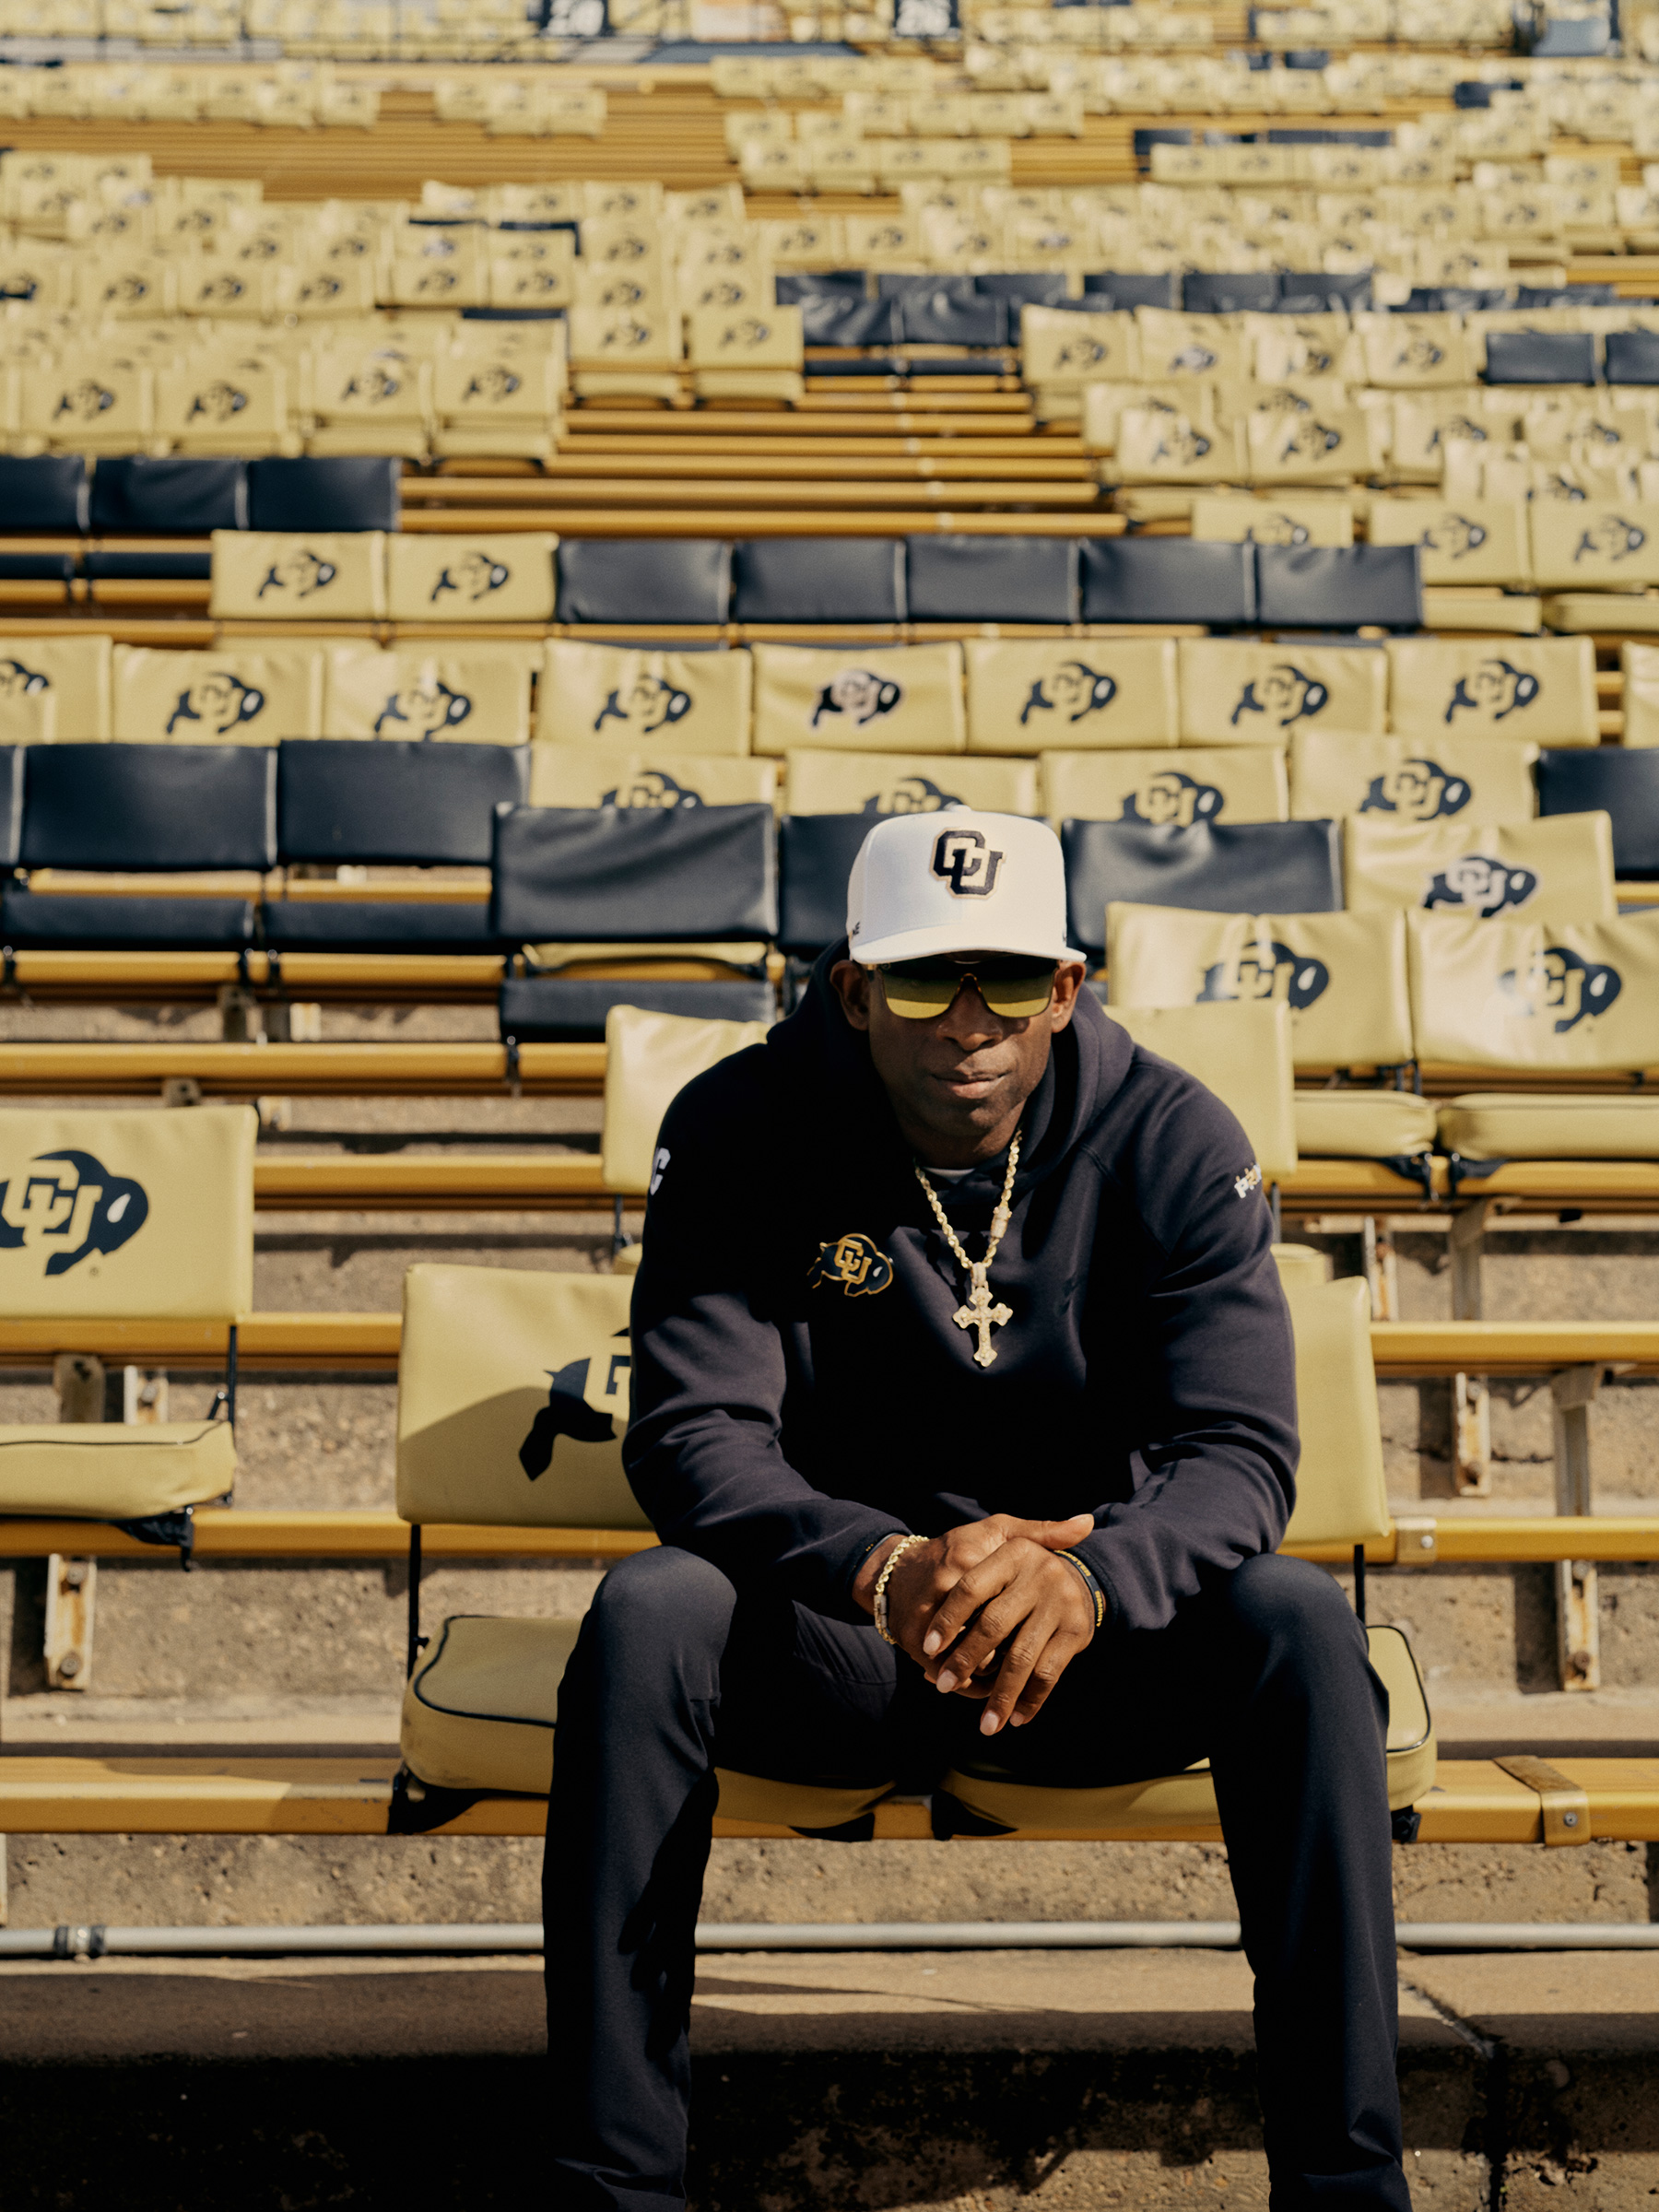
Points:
(1250, 1181)
(854, 1262)
(659, 1168)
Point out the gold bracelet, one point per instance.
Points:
(879, 1604)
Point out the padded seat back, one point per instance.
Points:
(169, 495)
(127, 1215)
(1244, 868)
(609, 696)
(1234, 691)
(45, 492)
(394, 803)
(1540, 356)
(1411, 780)
(678, 579)
(1633, 357)
(634, 874)
(816, 853)
(1061, 695)
(150, 808)
(650, 1058)
(818, 579)
(906, 699)
(1342, 976)
(162, 697)
(1534, 996)
(848, 319)
(937, 317)
(1609, 780)
(437, 927)
(70, 922)
(592, 775)
(573, 1009)
(1167, 580)
(1341, 1492)
(1559, 870)
(1241, 1052)
(1199, 783)
(345, 493)
(1539, 689)
(962, 578)
(873, 784)
(1338, 587)
(481, 1438)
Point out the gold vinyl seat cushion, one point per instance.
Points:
(1364, 1124)
(108, 1471)
(1487, 1126)
(480, 1711)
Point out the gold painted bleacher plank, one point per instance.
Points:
(249, 1071)
(1504, 1348)
(359, 1533)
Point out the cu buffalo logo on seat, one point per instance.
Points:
(858, 693)
(1073, 690)
(1495, 687)
(1286, 694)
(1172, 799)
(1294, 978)
(1479, 884)
(472, 577)
(66, 1205)
(1561, 985)
(850, 1264)
(585, 1400)
(1418, 790)
(220, 701)
(910, 795)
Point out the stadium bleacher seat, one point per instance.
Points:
(1342, 976)
(847, 318)
(162, 1204)
(1065, 694)
(1240, 1049)
(860, 698)
(1122, 290)
(1633, 357)
(878, 783)
(1167, 580)
(611, 696)
(1338, 587)
(1412, 778)
(174, 494)
(59, 922)
(1234, 691)
(1235, 782)
(1540, 356)
(843, 580)
(45, 492)
(347, 492)
(1533, 999)
(150, 808)
(1002, 579)
(1248, 867)
(679, 581)
(1555, 871)
(1624, 785)
(634, 874)
(816, 853)
(394, 802)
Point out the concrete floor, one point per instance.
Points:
(910, 2082)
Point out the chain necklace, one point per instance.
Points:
(978, 1312)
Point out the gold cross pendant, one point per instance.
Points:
(981, 1314)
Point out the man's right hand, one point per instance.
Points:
(929, 1574)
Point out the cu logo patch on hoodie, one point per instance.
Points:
(852, 1265)
(65, 1205)
(1562, 988)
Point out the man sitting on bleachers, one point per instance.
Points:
(964, 1405)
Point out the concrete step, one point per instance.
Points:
(915, 2082)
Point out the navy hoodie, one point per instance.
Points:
(798, 1394)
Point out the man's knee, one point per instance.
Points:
(662, 1613)
(1295, 1614)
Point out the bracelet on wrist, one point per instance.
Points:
(1097, 1594)
(879, 1602)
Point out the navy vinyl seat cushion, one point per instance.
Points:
(816, 853)
(1216, 867)
(431, 925)
(1633, 357)
(1132, 287)
(150, 808)
(177, 566)
(971, 578)
(38, 568)
(1167, 580)
(818, 579)
(359, 492)
(88, 922)
(1202, 293)
(170, 493)
(1332, 587)
(1613, 779)
(643, 579)
(45, 492)
(634, 874)
(941, 318)
(847, 319)
(396, 803)
(1540, 356)
(793, 287)
(558, 1009)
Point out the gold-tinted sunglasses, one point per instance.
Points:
(1012, 986)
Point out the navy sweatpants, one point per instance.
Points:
(1265, 1674)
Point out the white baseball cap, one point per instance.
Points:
(958, 881)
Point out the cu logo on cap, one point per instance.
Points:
(963, 858)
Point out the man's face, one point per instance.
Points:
(957, 1084)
